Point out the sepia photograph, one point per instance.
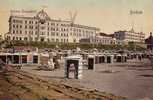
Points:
(76, 49)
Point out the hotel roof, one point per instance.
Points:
(43, 15)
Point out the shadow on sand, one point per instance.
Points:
(146, 75)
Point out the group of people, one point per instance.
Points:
(53, 63)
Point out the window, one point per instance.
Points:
(74, 40)
(13, 21)
(25, 32)
(62, 29)
(42, 39)
(42, 33)
(53, 24)
(13, 31)
(8, 37)
(16, 38)
(30, 27)
(20, 38)
(13, 38)
(35, 32)
(16, 26)
(57, 40)
(52, 40)
(26, 38)
(79, 30)
(32, 32)
(52, 29)
(56, 34)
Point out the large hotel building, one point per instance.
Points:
(42, 28)
(124, 37)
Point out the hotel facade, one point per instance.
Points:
(42, 28)
(100, 39)
(124, 37)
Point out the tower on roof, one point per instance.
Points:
(150, 33)
(42, 16)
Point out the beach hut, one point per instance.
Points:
(96, 59)
(121, 58)
(73, 64)
(110, 58)
(102, 58)
(20, 58)
(91, 62)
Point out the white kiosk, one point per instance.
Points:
(73, 64)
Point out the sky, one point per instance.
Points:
(108, 15)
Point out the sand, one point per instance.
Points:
(132, 79)
(20, 85)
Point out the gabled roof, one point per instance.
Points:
(42, 15)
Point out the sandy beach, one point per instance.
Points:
(132, 79)
(20, 85)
